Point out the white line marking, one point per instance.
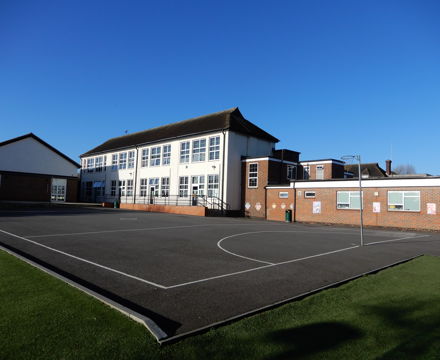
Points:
(86, 261)
(399, 239)
(260, 267)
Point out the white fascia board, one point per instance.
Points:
(322, 162)
(270, 159)
(386, 183)
(291, 186)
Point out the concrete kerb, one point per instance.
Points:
(154, 329)
(173, 339)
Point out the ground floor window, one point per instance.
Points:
(113, 188)
(404, 200)
(121, 187)
(213, 185)
(154, 186)
(183, 186)
(348, 200)
(198, 185)
(165, 187)
(129, 187)
(143, 187)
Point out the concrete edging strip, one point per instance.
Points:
(154, 329)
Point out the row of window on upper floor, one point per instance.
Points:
(157, 155)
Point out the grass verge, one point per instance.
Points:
(394, 314)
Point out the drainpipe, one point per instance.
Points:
(223, 166)
(135, 175)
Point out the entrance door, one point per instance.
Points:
(195, 193)
(152, 190)
(58, 190)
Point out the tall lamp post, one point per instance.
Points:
(358, 158)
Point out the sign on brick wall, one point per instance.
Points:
(431, 208)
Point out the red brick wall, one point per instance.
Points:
(183, 210)
(276, 206)
(254, 199)
(330, 214)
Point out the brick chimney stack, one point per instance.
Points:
(388, 170)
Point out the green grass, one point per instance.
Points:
(394, 314)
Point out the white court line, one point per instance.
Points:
(86, 261)
(260, 267)
(399, 239)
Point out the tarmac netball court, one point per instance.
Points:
(181, 274)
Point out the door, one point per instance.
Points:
(195, 193)
(58, 190)
(152, 191)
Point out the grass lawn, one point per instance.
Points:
(394, 314)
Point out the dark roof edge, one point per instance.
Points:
(41, 141)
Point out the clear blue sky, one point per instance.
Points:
(328, 78)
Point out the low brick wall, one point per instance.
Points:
(172, 209)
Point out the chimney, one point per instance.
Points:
(388, 171)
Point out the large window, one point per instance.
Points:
(123, 160)
(184, 152)
(155, 156)
(404, 200)
(90, 164)
(199, 150)
(165, 187)
(213, 185)
(143, 187)
(166, 155)
(198, 185)
(319, 172)
(291, 172)
(99, 163)
(121, 187)
(183, 186)
(253, 176)
(131, 159)
(115, 162)
(348, 200)
(113, 188)
(129, 187)
(144, 161)
(214, 148)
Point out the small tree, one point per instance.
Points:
(406, 169)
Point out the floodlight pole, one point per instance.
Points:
(358, 158)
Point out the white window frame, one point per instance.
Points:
(130, 187)
(130, 164)
(122, 188)
(145, 157)
(306, 172)
(122, 161)
(322, 167)
(214, 148)
(99, 161)
(165, 187)
(143, 187)
(153, 182)
(184, 152)
(113, 188)
(198, 150)
(155, 156)
(309, 194)
(166, 154)
(253, 175)
(405, 195)
(114, 162)
(213, 185)
(183, 186)
(198, 180)
(90, 164)
(351, 195)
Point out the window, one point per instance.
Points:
(98, 164)
(90, 163)
(183, 186)
(165, 187)
(309, 194)
(123, 160)
(319, 172)
(84, 164)
(144, 187)
(129, 187)
(154, 186)
(155, 156)
(184, 152)
(115, 162)
(213, 186)
(214, 148)
(291, 172)
(121, 187)
(144, 161)
(198, 185)
(131, 159)
(306, 174)
(105, 162)
(113, 188)
(166, 154)
(348, 200)
(253, 176)
(404, 200)
(199, 150)
(283, 194)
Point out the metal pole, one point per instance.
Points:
(361, 199)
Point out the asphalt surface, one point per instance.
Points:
(187, 273)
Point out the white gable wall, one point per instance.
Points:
(30, 156)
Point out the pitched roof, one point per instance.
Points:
(41, 141)
(230, 119)
(370, 169)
